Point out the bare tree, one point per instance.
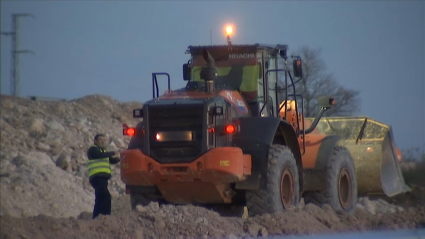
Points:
(318, 82)
(414, 154)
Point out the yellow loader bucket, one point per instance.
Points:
(373, 149)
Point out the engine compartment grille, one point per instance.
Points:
(171, 120)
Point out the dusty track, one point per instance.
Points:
(196, 222)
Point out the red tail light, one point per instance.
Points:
(130, 131)
(229, 129)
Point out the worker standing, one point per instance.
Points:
(100, 172)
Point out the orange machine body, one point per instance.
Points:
(205, 180)
(312, 140)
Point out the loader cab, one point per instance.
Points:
(275, 84)
(256, 71)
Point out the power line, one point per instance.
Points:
(14, 78)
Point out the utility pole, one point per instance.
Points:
(14, 78)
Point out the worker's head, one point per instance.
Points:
(100, 140)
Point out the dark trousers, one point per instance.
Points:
(102, 204)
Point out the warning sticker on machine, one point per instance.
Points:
(224, 163)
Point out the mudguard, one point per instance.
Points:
(325, 151)
(319, 148)
(255, 137)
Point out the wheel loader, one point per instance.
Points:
(235, 137)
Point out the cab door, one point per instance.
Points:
(264, 101)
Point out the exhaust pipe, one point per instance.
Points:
(209, 72)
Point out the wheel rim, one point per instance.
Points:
(345, 189)
(287, 188)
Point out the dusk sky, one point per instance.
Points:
(112, 47)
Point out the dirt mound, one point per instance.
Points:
(45, 191)
(169, 221)
(34, 176)
(43, 152)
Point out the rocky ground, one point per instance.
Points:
(45, 191)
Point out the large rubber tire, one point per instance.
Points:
(282, 190)
(341, 185)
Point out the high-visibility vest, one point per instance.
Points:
(101, 165)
